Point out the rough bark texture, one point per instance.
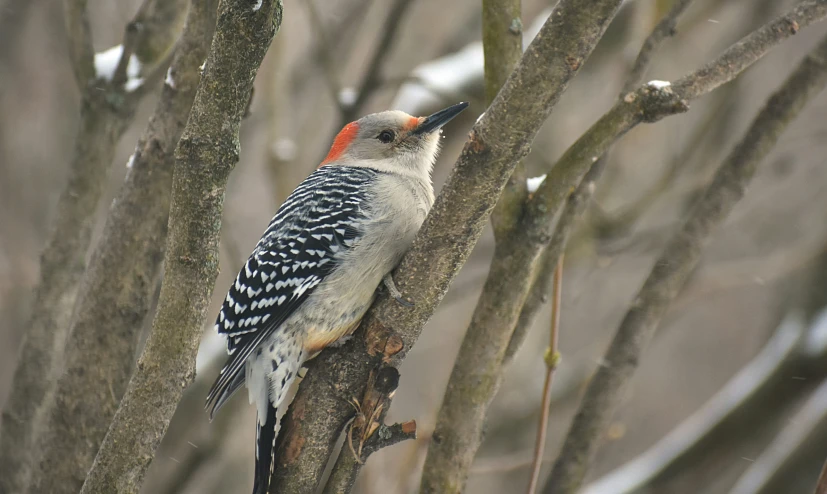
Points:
(672, 269)
(498, 141)
(206, 153)
(120, 281)
(106, 111)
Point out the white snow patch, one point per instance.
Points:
(131, 160)
(284, 149)
(168, 80)
(347, 96)
(451, 75)
(107, 61)
(533, 183)
(817, 334)
(133, 84)
(257, 5)
(213, 346)
(479, 118)
(659, 84)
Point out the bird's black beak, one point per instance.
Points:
(440, 118)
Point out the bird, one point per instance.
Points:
(317, 267)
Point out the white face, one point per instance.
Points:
(389, 137)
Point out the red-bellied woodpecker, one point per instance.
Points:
(315, 271)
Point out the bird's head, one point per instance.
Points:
(392, 141)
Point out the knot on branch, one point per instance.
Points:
(381, 341)
(656, 100)
(368, 426)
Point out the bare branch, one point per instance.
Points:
(135, 230)
(206, 153)
(665, 29)
(498, 141)
(796, 443)
(106, 111)
(79, 36)
(502, 44)
(673, 267)
(371, 80)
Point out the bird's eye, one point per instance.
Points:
(386, 136)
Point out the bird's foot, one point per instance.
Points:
(395, 293)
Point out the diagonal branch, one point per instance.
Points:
(672, 269)
(136, 230)
(498, 141)
(207, 152)
(106, 111)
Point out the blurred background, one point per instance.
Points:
(749, 332)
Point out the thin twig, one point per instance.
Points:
(552, 359)
(326, 58)
(371, 80)
(579, 199)
(673, 267)
(663, 30)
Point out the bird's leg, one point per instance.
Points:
(395, 293)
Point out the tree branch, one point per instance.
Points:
(206, 153)
(368, 432)
(498, 141)
(116, 295)
(673, 267)
(371, 79)
(579, 199)
(106, 111)
(502, 44)
(79, 36)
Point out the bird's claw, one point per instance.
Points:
(394, 292)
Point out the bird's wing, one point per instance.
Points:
(302, 245)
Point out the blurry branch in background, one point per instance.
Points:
(371, 80)
(116, 294)
(107, 109)
(821, 485)
(334, 85)
(206, 154)
(498, 141)
(682, 253)
(804, 438)
(763, 384)
(552, 359)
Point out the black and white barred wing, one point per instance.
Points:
(302, 245)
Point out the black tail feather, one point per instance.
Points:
(265, 451)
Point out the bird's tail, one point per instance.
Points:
(282, 367)
(266, 434)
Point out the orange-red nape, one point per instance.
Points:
(341, 142)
